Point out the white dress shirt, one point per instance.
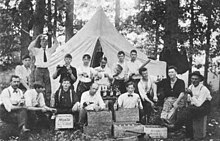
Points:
(200, 94)
(9, 97)
(145, 87)
(124, 73)
(95, 100)
(23, 73)
(33, 99)
(90, 73)
(126, 101)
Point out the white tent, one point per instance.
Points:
(99, 29)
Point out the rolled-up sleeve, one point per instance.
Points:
(101, 102)
(6, 100)
(203, 96)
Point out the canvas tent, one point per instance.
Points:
(99, 29)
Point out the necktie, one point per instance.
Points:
(45, 56)
(130, 95)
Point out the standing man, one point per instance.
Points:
(12, 103)
(42, 53)
(174, 89)
(35, 103)
(66, 71)
(133, 68)
(148, 92)
(86, 76)
(120, 78)
(24, 71)
(199, 104)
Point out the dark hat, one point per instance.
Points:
(197, 73)
(26, 56)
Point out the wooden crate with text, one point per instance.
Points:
(127, 115)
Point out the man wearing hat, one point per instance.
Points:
(24, 71)
(199, 104)
(35, 103)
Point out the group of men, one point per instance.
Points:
(135, 89)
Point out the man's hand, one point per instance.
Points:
(188, 91)
(155, 98)
(70, 71)
(96, 108)
(151, 103)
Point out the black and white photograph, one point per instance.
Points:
(109, 70)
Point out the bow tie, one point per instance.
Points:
(15, 91)
(130, 95)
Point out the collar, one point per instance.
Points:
(13, 90)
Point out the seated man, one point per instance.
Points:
(35, 103)
(66, 100)
(92, 101)
(173, 89)
(148, 92)
(129, 99)
(24, 71)
(199, 104)
(12, 107)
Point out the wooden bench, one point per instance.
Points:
(199, 127)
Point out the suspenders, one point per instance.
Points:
(71, 96)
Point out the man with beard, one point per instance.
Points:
(12, 103)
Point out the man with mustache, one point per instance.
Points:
(12, 109)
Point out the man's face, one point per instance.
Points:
(130, 89)
(103, 63)
(66, 84)
(195, 80)
(67, 60)
(121, 57)
(133, 56)
(172, 73)
(145, 74)
(86, 61)
(93, 89)
(15, 82)
(43, 41)
(26, 62)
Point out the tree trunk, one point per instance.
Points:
(55, 19)
(69, 19)
(49, 23)
(192, 27)
(24, 7)
(157, 41)
(171, 24)
(207, 48)
(117, 14)
(39, 20)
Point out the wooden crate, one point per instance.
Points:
(127, 115)
(156, 131)
(119, 129)
(199, 127)
(98, 123)
(100, 117)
